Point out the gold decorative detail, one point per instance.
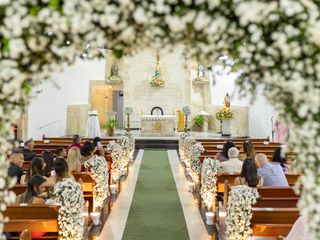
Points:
(157, 126)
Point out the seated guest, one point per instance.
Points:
(16, 162)
(278, 160)
(61, 152)
(47, 157)
(248, 150)
(272, 174)
(27, 151)
(249, 175)
(233, 165)
(34, 195)
(73, 159)
(35, 187)
(37, 166)
(61, 169)
(223, 156)
(87, 151)
(76, 142)
(98, 144)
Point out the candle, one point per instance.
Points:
(209, 218)
(113, 189)
(95, 217)
(191, 186)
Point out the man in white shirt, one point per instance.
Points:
(233, 165)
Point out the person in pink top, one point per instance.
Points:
(281, 131)
(76, 142)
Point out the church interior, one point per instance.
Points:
(159, 142)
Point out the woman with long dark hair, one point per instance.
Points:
(35, 187)
(249, 149)
(47, 157)
(249, 174)
(61, 169)
(223, 156)
(277, 159)
(37, 166)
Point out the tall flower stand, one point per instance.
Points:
(225, 128)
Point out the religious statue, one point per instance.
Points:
(114, 76)
(201, 70)
(227, 101)
(157, 79)
(200, 75)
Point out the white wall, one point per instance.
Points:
(260, 111)
(47, 111)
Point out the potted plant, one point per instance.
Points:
(198, 122)
(224, 115)
(110, 126)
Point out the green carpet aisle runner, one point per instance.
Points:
(156, 211)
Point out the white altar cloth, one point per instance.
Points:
(93, 126)
(158, 125)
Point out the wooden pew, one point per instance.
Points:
(273, 221)
(266, 223)
(277, 197)
(267, 192)
(21, 188)
(35, 218)
(87, 186)
(292, 178)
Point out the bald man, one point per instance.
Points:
(272, 175)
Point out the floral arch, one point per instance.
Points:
(275, 42)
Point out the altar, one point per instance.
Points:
(158, 125)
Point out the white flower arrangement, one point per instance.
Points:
(131, 143)
(275, 42)
(209, 171)
(116, 154)
(100, 174)
(182, 138)
(126, 151)
(186, 110)
(195, 164)
(71, 223)
(240, 201)
(189, 142)
(128, 110)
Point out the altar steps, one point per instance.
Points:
(157, 143)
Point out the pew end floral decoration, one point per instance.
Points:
(131, 143)
(100, 174)
(125, 145)
(182, 147)
(239, 212)
(189, 142)
(71, 222)
(195, 164)
(115, 151)
(209, 172)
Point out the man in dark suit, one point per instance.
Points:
(27, 151)
(16, 162)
